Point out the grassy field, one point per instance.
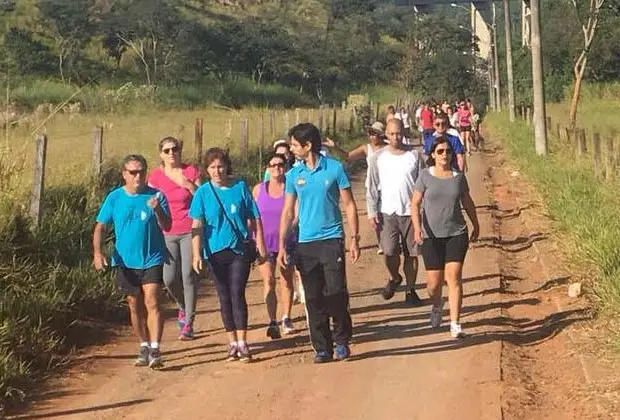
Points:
(70, 137)
(586, 210)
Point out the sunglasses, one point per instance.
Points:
(173, 149)
(135, 172)
(440, 152)
(276, 165)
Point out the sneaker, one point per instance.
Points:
(180, 319)
(343, 352)
(143, 356)
(233, 352)
(456, 331)
(244, 354)
(155, 359)
(187, 333)
(436, 315)
(322, 357)
(390, 288)
(273, 330)
(379, 251)
(287, 326)
(412, 298)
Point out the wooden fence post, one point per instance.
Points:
(549, 125)
(38, 184)
(596, 138)
(261, 144)
(243, 145)
(523, 115)
(558, 131)
(198, 140)
(287, 123)
(528, 116)
(335, 112)
(351, 120)
(97, 151)
(272, 124)
(228, 134)
(580, 135)
(377, 112)
(609, 157)
(321, 118)
(297, 116)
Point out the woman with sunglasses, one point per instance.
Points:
(269, 197)
(178, 182)
(225, 217)
(442, 231)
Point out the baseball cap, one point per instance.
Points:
(377, 127)
(279, 143)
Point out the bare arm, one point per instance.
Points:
(99, 259)
(351, 210)
(416, 203)
(288, 214)
(470, 208)
(196, 245)
(460, 161)
(256, 226)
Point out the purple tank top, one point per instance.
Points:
(270, 211)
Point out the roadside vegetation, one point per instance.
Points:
(583, 208)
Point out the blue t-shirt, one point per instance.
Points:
(139, 240)
(455, 145)
(318, 192)
(218, 234)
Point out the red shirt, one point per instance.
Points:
(179, 198)
(426, 115)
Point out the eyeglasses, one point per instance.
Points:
(440, 124)
(276, 165)
(440, 152)
(173, 149)
(135, 172)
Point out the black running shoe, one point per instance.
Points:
(412, 298)
(273, 330)
(390, 288)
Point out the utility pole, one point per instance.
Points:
(540, 115)
(498, 95)
(510, 77)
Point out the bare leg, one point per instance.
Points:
(269, 289)
(137, 317)
(410, 267)
(154, 318)
(241, 335)
(286, 290)
(454, 271)
(393, 264)
(434, 284)
(232, 336)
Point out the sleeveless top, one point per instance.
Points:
(270, 212)
(464, 117)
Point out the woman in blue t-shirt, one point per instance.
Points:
(225, 217)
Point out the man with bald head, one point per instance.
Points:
(392, 174)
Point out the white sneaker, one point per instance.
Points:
(287, 326)
(456, 331)
(436, 316)
(379, 251)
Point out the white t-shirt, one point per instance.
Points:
(398, 174)
(418, 116)
(404, 117)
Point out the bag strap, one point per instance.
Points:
(234, 226)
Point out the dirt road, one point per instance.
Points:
(400, 368)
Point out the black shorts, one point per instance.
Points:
(465, 129)
(130, 280)
(436, 252)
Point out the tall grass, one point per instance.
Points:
(585, 209)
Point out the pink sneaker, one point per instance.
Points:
(187, 333)
(181, 319)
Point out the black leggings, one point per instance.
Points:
(231, 272)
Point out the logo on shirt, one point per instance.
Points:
(301, 182)
(143, 215)
(233, 209)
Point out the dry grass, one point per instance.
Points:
(70, 137)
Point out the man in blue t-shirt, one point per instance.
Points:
(441, 124)
(138, 213)
(319, 183)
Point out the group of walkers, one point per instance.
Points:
(168, 227)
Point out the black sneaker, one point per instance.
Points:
(273, 330)
(390, 288)
(143, 356)
(155, 359)
(412, 298)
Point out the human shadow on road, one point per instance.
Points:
(522, 332)
(84, 410)
(518, 244)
